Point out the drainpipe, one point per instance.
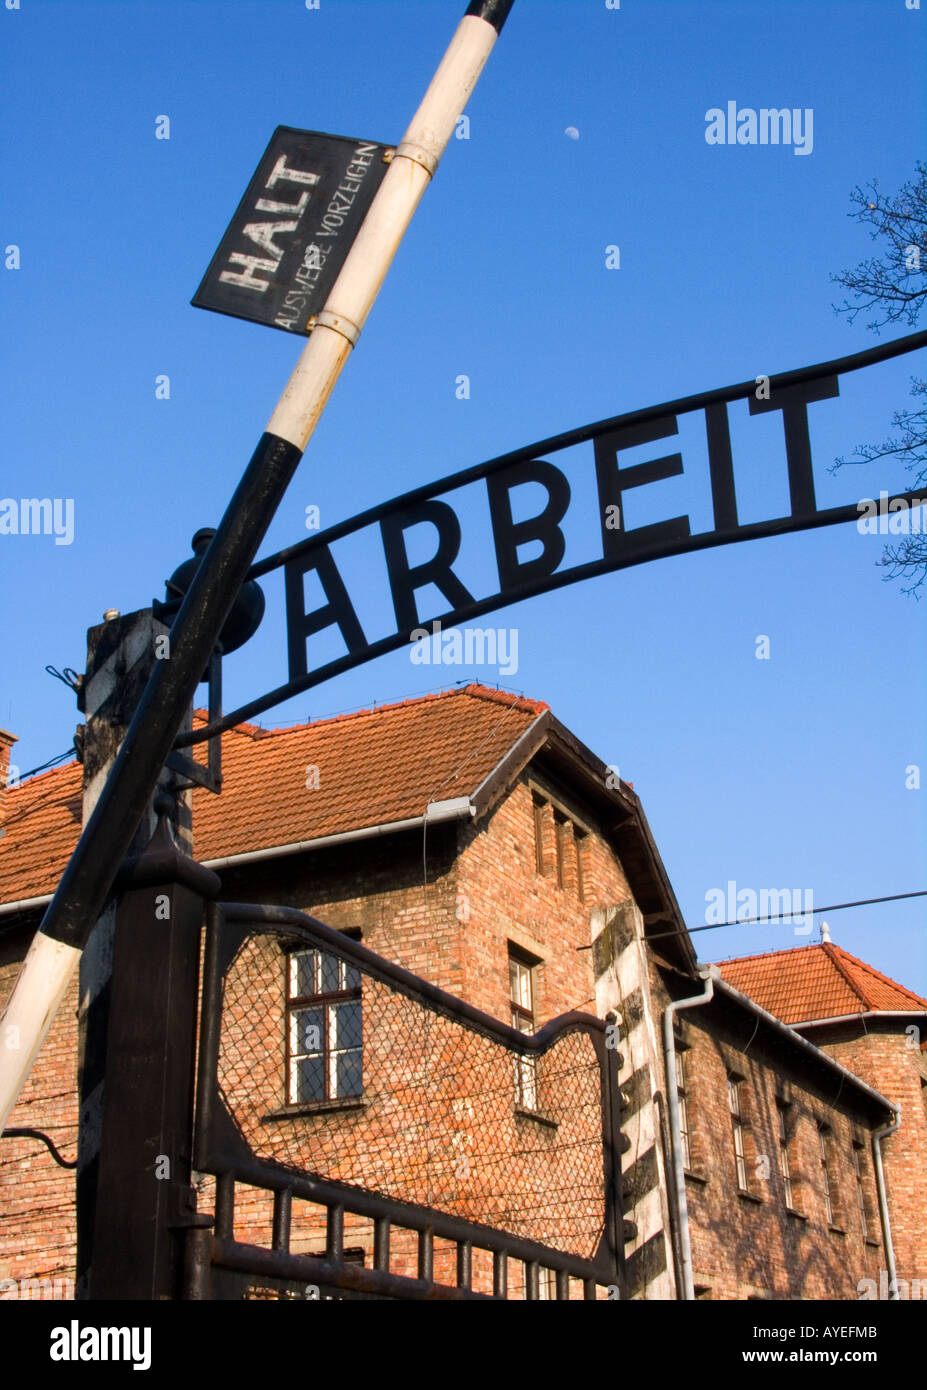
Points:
(458, 808)
(877, 1136)
(708, 973)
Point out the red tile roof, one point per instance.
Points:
(42, 820)
(374, 766)
(811, 982)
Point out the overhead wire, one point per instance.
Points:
(778, 916)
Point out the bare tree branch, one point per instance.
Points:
(896, 285)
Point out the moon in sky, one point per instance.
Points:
(572, 132)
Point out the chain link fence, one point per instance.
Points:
(334, 1064)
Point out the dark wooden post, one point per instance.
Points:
(142, 939)
(144, 1198)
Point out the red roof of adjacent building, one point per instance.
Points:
(374, 766)
(812, 982)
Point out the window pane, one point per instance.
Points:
(305, 1031)
(309, 1080)
(349, 1073)
(302, 974)
(345, 1025)
(520, 983)
(530, 1083)
(733, 1096)
(526, 1092)
(330, 973)
(352, 977)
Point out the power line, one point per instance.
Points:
(58, 758)
(53, 792)
(747, 921)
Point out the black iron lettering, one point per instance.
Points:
(721, 466)
(508, 534)
(613, 481)
(793, 402)
(404, 578)
(791, 391)
(338, 611)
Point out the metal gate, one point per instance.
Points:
(361, 1133)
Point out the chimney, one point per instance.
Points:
(825, 933)
(6, 743)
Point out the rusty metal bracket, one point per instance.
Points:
(337, 323)
(418, 154)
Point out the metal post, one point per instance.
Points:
(105, 840)
(145, 1202)
(121, 654)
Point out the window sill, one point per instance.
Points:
(876, 1244)
(695, 1177)
(799, 1215)
(315, 1107)
(837, 1230)
(749, 1197)
(547, 1120)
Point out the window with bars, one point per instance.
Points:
(324, 1031)
(738, 1126)
(827, 1184)
(784, 1168)
(521, 993)
(681, 1095)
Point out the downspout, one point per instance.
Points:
(877, 1136)
(708, 973)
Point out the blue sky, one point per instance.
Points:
(785, 772)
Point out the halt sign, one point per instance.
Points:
(293, 228)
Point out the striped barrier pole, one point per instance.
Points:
(105, 839)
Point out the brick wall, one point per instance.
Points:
(891, 1060)
(379, 886)
(453, 926)
(37, 1232)
(750, 1244)
(502, 898)
(447, 906)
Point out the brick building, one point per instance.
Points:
(472, 839)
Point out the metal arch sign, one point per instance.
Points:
(790, 394)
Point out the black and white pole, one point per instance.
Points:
(85, 885)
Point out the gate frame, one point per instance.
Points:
(219, 1150)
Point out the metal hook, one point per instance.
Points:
(67, 677)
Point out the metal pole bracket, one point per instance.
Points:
(419, 155)
(337, 322)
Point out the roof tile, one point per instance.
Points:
(822, 981)
(373, 767)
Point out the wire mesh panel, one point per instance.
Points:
(325, 1066)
